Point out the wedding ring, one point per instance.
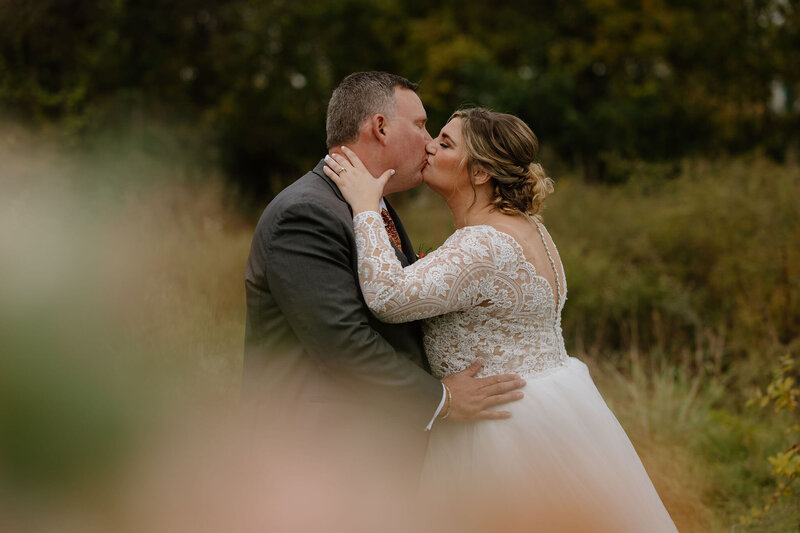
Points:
(342, 170)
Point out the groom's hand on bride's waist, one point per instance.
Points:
(471, 398)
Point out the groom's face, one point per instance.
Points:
(407, 136)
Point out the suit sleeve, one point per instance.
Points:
(310, 274)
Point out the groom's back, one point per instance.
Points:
(275, 356)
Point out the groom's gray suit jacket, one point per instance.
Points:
(309, 332)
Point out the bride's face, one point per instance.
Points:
(446, 171)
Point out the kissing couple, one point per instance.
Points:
(452, 367)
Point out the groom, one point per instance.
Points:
(311, 343)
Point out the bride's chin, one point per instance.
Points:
(431, 185)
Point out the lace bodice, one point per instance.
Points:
(478, 294)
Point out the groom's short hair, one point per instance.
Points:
(359, 96)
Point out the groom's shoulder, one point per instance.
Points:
(310, 195)
(310, 187)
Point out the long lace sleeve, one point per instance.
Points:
(454, 277)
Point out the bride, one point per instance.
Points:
(495, 290)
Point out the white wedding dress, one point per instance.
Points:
(479, 296)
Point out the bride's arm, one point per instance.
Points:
(451, 278)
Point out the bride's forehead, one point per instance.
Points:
(452, 128)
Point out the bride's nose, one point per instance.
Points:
(431, 147)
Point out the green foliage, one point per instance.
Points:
(701, 267)
(247, 81)
(783, 393)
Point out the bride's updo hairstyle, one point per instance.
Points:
(505, 147)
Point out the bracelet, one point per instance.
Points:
(449, 402)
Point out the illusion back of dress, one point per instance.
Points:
(516, 329)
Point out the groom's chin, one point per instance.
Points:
(400, 184)
(419, 177)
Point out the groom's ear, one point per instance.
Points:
(379, 127)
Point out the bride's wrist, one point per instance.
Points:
(448, 406)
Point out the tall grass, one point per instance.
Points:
(122, 298)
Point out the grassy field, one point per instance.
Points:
(122, 303)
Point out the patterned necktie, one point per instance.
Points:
(391, 229)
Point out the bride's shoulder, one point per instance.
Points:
(480, 239)
(472, 232)
(468, 236)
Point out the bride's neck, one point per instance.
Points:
(469, 210)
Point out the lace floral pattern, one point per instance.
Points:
(478, 294)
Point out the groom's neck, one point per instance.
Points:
(372, 154)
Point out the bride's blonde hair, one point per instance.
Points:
(506, 148)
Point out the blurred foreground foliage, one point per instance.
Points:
(120, 305)
(246, 82)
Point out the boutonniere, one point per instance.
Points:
(423, 252)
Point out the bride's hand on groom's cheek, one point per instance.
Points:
(473, 398)
(359, 187)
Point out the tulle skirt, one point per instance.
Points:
(562, 457)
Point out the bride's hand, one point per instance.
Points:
(360, 188)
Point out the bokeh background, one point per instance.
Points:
(139, 142)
